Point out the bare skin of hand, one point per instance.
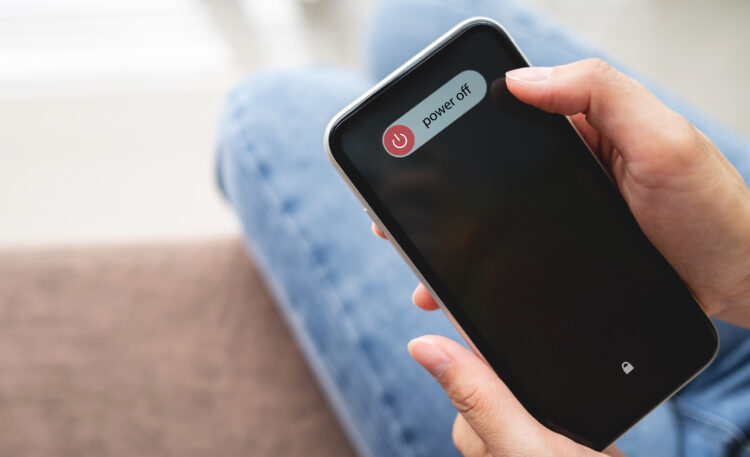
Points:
(687, 198)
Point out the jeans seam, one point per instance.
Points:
(292, 230)
(713, 421)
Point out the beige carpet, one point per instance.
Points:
(151, 351)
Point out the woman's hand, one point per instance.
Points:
(490, 421)
(687, 198)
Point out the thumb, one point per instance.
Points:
(620, 108)
(488, 406)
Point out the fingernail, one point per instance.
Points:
(429, 355)
(529, 74)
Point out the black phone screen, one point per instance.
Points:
(525, 239)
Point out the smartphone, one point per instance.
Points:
(522, 238)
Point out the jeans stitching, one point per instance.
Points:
(713, 421)
(291, 227)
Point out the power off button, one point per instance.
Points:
(398, 140)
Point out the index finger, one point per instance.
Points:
(376, 230)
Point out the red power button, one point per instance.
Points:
(398, 140)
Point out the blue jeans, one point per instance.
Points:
(345, 294)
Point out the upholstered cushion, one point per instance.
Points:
(168, 350)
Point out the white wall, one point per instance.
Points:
(108, 108)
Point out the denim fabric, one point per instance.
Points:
(345, 294)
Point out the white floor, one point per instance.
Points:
(108, 109)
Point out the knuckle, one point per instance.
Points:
(467, 399)
(683, 137)
(678, 146)
(603, 79)
(600, 67)
(602, 75)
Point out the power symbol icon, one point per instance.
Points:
(398, 140)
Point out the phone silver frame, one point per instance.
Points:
(394, 75)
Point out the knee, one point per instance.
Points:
(398, 29)
(277, 118)
(299, 100)
(243, 109)
(241, 124)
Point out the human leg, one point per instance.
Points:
(344, 293)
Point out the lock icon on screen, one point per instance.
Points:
(627, 367)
